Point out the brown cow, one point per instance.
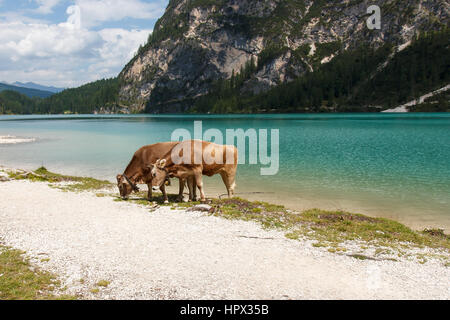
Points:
(138, 171)
(206, 158)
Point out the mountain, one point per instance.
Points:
(31, 93)
(231, 55)
(32, 85)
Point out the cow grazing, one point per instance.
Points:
(194, 159)
(138, 172)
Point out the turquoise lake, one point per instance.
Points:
(388, 165)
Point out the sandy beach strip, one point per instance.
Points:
(175, 254)
(15, 140)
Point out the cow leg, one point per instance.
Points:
(149, 194)
(232, 186)
(199, 184)
(192, 189)
(229, 183)
(181, 190)
(232, 179)
(163, 190)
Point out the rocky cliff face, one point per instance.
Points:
(197, 42)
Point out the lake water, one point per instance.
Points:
(388, 165)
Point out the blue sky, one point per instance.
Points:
(68, 43)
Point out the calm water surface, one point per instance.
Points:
(389, 165)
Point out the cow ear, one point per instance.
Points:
(119, 178)
(162, 163)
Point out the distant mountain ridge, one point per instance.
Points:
(29, 92)
(32, 85)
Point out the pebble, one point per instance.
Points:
(201, 208)
(4, 177)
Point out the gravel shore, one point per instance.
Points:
(175, 254)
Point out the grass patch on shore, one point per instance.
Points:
(329, 228)
(103, 283)
(20, 281)
(157, 198)
(75, 183)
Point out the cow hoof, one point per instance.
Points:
(166, 201)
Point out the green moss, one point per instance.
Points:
(101, 195)
(319, 245)
(330, 228)
(19, 281)
(140, 198)
(76, 183)
(185, 205)
(103, 283)
(436, 233)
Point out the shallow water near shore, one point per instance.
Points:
(388, 165)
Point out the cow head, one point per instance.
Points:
(125, 189)
(159, 174)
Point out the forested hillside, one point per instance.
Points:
(88, 98)
(12, 102)
(84, 99)
(353, 81)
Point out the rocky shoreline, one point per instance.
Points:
(142, 251)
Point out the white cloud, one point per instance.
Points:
(95, 12)
(65, 54)
(19, 16)
(46, 6)
(43, 41)
(121, 44)
(118, 48)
